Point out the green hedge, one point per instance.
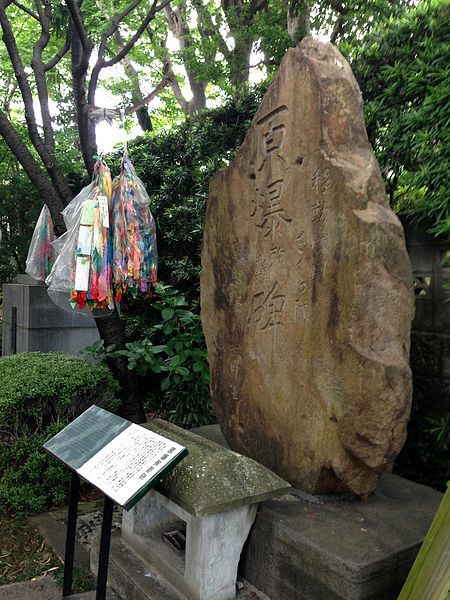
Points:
(40, 394)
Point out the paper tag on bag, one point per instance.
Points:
(82, 273)
(104, 211)
(84, 244)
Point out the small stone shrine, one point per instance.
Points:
(184, 538)
(306, 287)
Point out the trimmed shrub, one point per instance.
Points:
(40, 394)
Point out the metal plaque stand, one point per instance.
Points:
(105, 540)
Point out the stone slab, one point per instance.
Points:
(44, 588)
(306, 287)
(40, 326)
(54, 534)
(358, 550)
(211, 478)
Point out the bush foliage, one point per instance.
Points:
(41, 393)
(403, 71)
(175, 167)
(167, 348)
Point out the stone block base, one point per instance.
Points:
(301, 549)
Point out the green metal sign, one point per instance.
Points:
(120, 458)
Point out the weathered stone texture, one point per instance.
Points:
(306, 287)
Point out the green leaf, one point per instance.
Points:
(167, 313)
(165, 383)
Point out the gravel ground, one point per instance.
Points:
(89, 523)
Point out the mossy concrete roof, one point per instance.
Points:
(212, 478)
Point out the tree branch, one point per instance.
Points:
(99, 65)
(62, 52)
(142, 114)
(26, 10)
(209, 28)
(98, 114)
(161, 85)
(46, 155)
(32, 169)
(117, 20)
(102, 64)
(142, 27)
(77, 19)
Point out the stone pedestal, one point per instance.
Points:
(207, 568)
(190, 531)
(33, 323)
(306, 548)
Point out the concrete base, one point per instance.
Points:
(33, 323)
(207, 568)
(357, 550)
(132, 579)
(301, 548)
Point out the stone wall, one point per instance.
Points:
(32, 323)
(430, 338)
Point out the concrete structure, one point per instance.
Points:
(190, 531)
(33, 323)
(304, 547)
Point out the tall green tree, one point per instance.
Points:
(35, 43)
(403, 71)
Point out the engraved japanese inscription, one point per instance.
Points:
(306, 287)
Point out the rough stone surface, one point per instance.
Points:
(306, 287)
(211, 478)
(357, 550)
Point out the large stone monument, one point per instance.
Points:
(306, 287)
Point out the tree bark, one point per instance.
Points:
(298, 20)
(137, 96)
(112, 331)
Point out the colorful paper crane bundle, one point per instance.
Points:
(92, 265)
(109, 248)
(40, 254)
(134, 261)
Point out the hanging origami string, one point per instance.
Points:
(135, 258)
(92, 275)
(40, 254)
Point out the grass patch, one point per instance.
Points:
(23, 553)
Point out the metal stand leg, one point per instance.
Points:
(70, 539)
(103, 558)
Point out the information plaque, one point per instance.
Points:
(120, 458)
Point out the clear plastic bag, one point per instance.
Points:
(41, 253)
(81, 276)
(134, 251)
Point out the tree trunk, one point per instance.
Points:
(298, 20)
(240, 63)
(112, 331)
